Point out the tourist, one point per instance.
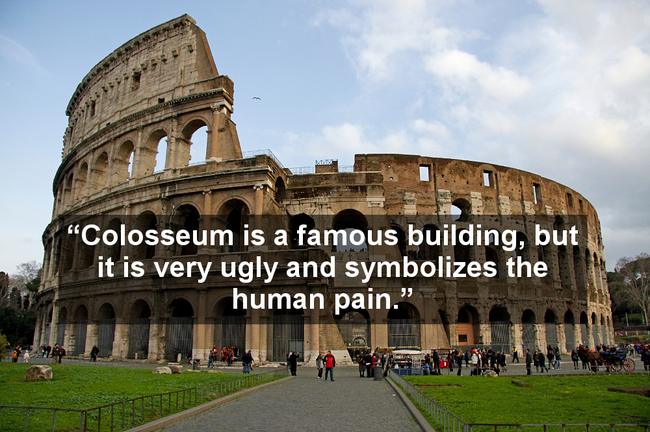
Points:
(367, 359)
(475, 362)
(48, 349)
(330, 364)
(319, 365)
(289, 360)
(551, 357)
(61, 354)
(293, 360)
(558, 359)
(211, 359)
(459, 361)
(645, 358)
(575, 358)
(55, 353)
(542, 362)
(26, 356)
(362, 365)
(247, 360)
(529, 359)
(515, 355)
(436, 362)
(93, 353)
(466, 359)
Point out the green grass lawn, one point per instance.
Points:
(83, 387)
(571, 399)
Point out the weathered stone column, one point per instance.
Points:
(120, 340)
(200, 348)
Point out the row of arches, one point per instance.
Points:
(501, 323)
(130, 158)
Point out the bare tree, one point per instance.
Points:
(25, 283)
(635, 283)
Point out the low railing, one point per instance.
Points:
(450, 422)
(132, 412)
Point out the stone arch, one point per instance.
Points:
(105, 329)
(403, 326)
(81, 327)
(529, 330)
(295, 223)
(187, 217)
(152, 159)
(584, 322)
(139, 327)
(179, 330)
(67, 252)
(550, 322)
(60, 330)
(464, 207)
(145, 221)
(113, 251)
(579, 272)
(500, 328)
(233, 215)
(80, 182)
(186, 154)
(67, 191)
(354, 327)
(87, 252)
(280, 189)
(229, 324)
(522, 248)
(569, 323)
(468, 325)
(426, 251)
(288, 332)
(100, 168)
(595, 329)
(350, 220)
(123, 162)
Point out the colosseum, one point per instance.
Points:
(129, 160)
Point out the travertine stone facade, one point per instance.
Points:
(164, 84)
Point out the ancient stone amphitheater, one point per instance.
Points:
(129, 159)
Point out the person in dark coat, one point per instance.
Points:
(529, 360)
(93, 353)
(293, 361)
(542, 362)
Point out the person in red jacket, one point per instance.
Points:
(330, 362)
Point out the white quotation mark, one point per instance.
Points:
(405, 292)
(73, 227)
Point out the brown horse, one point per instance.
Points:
(591, 357)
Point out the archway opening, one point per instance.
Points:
(187, 218)
(529, 334)
(288, 333)
(550, 322)
(81, 325)
(139, 326)
(179, 331)
(500, 329)
(354, 327)
(569, 322)
(294, 225)
(355, 225)
(404, 326)
(60, 331)
(105, 330)
(467, 326)
(230, 326)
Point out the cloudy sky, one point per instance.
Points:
(559, 88)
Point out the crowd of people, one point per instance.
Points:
(227, 354)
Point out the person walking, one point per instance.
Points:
(330, 364)
(515, 355)
(459, 362)
(93, 353)
(247, 360)
(436, 362)
(529, 360)
(319, 365)
(293, 360)
(26, 356)
(55, 353)
(542, 362)
(575, 359)
(362, 366)
(475, 363)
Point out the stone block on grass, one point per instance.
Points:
(176, 369)
(162, 370)
(39, 372)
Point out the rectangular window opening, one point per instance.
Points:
(161, 100)
(487, 179)
(569, 199)
(92, 109)
(425, 173)
(580, 204)
(537, 193)
(135, 83)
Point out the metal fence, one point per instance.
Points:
(450, 422)
(129, 413)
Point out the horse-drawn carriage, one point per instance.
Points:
(614, 361)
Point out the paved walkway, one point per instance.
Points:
(307, 403)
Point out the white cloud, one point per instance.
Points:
(15, 53)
